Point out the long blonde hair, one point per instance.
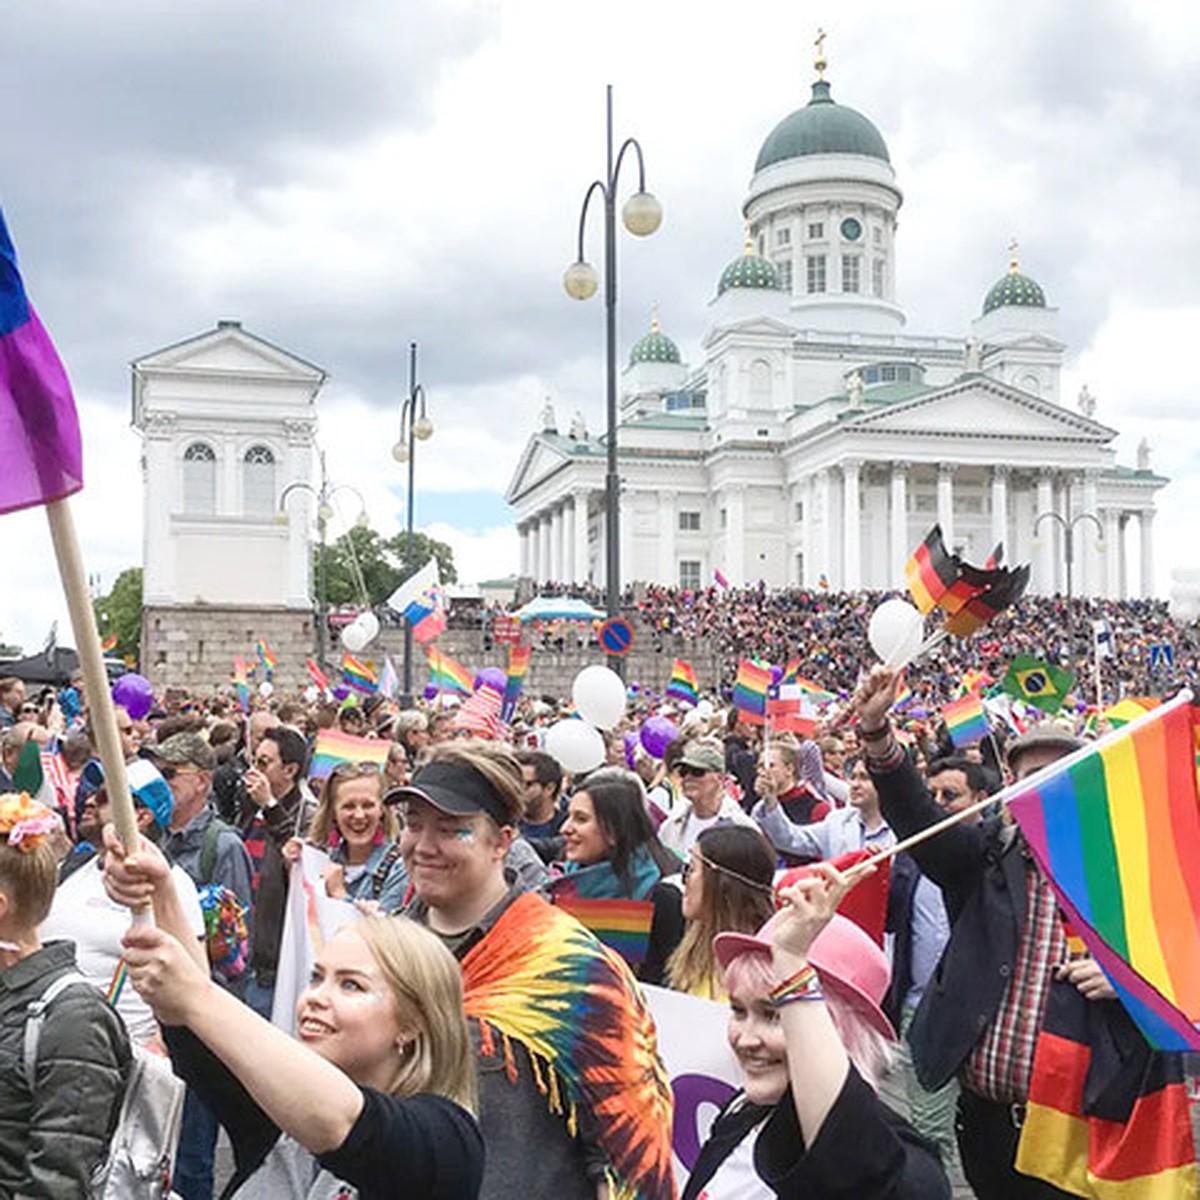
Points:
(427, 994)
(324, 822)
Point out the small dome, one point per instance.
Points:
(1014, 290)
(822, 127)
(655, 347)
(749, 270)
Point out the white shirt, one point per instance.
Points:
(681, 829)
(83, 912)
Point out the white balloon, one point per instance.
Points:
(576, 745)
(896, 632)
(703, 710)
(266, 689)
(368, 622)
(599, 696)
(1185, 594)
(354, 637)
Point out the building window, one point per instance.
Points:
(851, 264)
(689, 573)
(258, 482)
(877, 234)
(689, 522)
(784, 270)
(799, 510)
(815, 265)
(816, 230)
(200, 480)
(877, 276)
(783, 237)
(724, 518)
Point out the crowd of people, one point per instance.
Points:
(483, 1027)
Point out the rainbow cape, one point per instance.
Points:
(1094, 820)
(541, 979)
(682, 684)
(966, 721)
(334, 748)
(447, 675)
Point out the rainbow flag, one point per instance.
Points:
(447, 675)
(358, 674)
(1093, 821)
(241, 682)
(518, 665)
(750, 691)
(682, 684)
(719, 578)
(975, 681)
(109, 643)
(966, 721)
(266, 656)
(791, 671)
(334, 747)
(623, 925)
(316, 674)
(1128, 710)
(814, 691)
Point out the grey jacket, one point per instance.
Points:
(232, 866)
(53, 1137)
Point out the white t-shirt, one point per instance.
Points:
(83, 912)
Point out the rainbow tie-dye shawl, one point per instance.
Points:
(541, 979)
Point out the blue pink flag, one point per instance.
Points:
(39, 428)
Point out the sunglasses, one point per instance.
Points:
(689, 772)
(29, 710)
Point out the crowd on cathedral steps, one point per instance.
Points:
(490, 1018)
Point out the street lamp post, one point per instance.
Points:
(415, 426)
(1068, 528)
(642, 215)
(324, 496)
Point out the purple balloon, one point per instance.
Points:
(491, 677)
(657, 734)
(630, 741)
(135, 694)
(340, 692)
(430, 691)
(776, 673)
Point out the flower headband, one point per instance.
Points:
(24, 823)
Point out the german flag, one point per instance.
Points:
(993, 600)
(931, 572)
(1107, 1115)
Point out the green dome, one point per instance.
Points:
(1015, 291)
(822, 127)
(655, 347)
(749, 270)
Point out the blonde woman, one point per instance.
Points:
(379, 1086)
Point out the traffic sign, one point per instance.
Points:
(616, 637)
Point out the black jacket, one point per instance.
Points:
(902, 887)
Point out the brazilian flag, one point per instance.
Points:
(1037, 683)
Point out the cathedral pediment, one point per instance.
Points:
(228, 350)
(751, 329)
(541, 458)
(982, 408)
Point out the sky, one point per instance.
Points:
(347, 179)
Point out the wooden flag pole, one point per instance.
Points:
(102, 716)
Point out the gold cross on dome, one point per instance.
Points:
(820, 62)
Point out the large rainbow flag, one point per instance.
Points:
(1116, 829)
(447, 675)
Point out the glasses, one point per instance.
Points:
(263, 763)
(353, 770)
(169, 770)
(29, 710)
(697, 859)
(687, 771)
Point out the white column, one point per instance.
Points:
(1146, 523)
(580, 500)
(1092, 584)
(544, 562)
(1110, 568)
(1000, 509)
(668, 523)
(1047, 583)
(628, 566)
(568, 540)
(898, 543)
(1123, 557)
(735, 535)
(945, 503)
(812, 567)
(828, 533)
(556, 543)
(851, 524)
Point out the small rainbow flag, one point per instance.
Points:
(266, 656)
(975, 681)
(109, 643)
(358, 674)
(1128, 710)
(750, 691)
(518, 665)
(719, 578)
(966, 721)
(682, 684)
(241, 682)
(622, 925)
(334, 747)
(791, 671)
(316, 674)
(814, 691)
(1116, 830)
(447, 675)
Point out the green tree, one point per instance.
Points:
(381, 561)
(120, 612)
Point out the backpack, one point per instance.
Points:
(225, 932)
(141, 1155)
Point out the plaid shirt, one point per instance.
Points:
(1000, 1065)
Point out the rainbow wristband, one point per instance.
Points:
(805, 984)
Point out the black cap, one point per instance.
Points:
(455, 788)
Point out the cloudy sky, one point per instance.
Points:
(346, 179)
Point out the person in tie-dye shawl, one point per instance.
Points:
(575, 1103)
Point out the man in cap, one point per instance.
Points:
(593, 1038)
(702, 775)
(981, 1011)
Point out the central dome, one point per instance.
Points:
(822, 127)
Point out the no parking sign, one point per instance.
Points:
(616, 637)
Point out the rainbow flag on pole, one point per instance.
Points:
(266, 656)
(1095, 820)
(750, 691)
(109, 643)
(518, 665)
(358, 674)
(241, 682)
(447, 675)
(333, 748)
(682, 684)
(966, 720)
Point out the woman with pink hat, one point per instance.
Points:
(806, 1027)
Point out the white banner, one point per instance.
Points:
(310, 919)
(704, 1073)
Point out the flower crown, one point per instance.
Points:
(24, 823)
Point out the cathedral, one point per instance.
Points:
(820, 439)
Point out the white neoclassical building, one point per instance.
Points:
(820, 439)
(227, 421)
